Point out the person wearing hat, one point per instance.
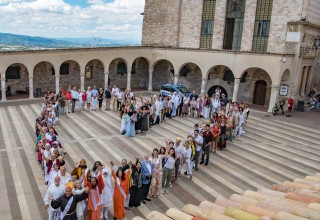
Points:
(179, 157)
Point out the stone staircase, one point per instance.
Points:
(297, 200)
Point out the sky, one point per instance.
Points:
(111, 19)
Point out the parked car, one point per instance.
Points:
(166, 89)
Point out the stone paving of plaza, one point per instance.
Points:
(270, 152)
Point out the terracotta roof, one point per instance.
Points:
(140, 47)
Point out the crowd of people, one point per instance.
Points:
(85, 193)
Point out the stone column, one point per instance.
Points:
(3, 89)
(176, 78)
(235, 89)
(31, 87)
(129, 79)
(273, 96)
(304, 81)
(57, 84)
(203, 85)
(150, 80)
(82, 81)
(106, 79)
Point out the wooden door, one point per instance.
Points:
(260, 91)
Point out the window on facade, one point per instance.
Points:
(122, 68)
(262, 25)
(13, 72)
(228, 76)
(234, 24)
(184, 71)
(208, 13)
(64, 69)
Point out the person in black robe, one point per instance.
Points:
(136, 188)
(62, 202)
(138, 122)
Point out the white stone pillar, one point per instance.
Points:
(31, 87)
(3, 89)
(57, 84)
(203, 86)
(235, 89)
(82, 81)
(106, 80)
(176, 78)
(150, 79)
(273, 97)
(129, 79)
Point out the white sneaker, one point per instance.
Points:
(163, 192)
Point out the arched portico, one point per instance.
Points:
(94, 74)
(44, 77)
(69, 73)
(285, 84)
(163, 72)
(140, 73)
(118, 70)
(190, 76)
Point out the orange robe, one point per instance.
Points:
(94, 214)
(118, 199)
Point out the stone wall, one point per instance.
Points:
(115, 78)
(161, 74)
(190, 23)
(43, 78)
(313, 14)
(219, 23)
(140, 79)
(161, 22)
(283, 11)
(248, 25)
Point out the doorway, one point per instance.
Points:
(260, 91)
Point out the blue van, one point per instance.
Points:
(166, 89)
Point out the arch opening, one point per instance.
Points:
(140, 73)
(94, 74)
(44, 77)
(17, 79)
(190, 76)
(163, 72)
(118, 73)
(212, 90)
(69, 74)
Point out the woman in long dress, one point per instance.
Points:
(107, 193)
(136, 188)
(124, 120)
(156, 170)
(200, 106)
(144, 119)
(121, 180)
(131, 121)
(206, 107)
(89, 95)
(185, 106)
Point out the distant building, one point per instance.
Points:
(256, 51)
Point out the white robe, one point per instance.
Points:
(64, 180)
(107, 192)
(80, 205)
(52, 175)
(55, 192)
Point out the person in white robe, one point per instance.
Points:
(64, 176)
(54, 192)
(81, 206)
(175, 101)
(53, 173)
(107, 193)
